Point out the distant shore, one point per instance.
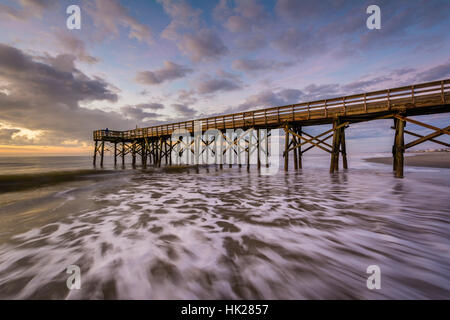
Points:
(432, 159)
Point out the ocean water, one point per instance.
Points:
(206, 233)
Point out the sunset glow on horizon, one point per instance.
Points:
(144, 63)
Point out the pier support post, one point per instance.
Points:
(133, 152)
(394, 156)
(249, 145)
(258, 133)
(102, 154)
(294, 141)
(238, 149)
(143, 154)
(230, 149)
(267, 148)
(166, 156)
(334, 165)
(399, 148)
(286, 149)
(299, 132)
(115, 154)
(95, 153)
(343, 148)
(153, 153)
(170, 151)
(221, 151)
(123, 154)
(160, 151)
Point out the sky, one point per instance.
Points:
(142, 63)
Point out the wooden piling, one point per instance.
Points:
(267, 147)
(170, 151)
(394, 151)
(343, 149)
(258, 148)
(143, 154)
(230, 150)
(221, 150)
(299, 132)
(399, 149)
(102, 154)
(160, 148)
(294, 141)
(123, 154)
(133, 153)
(249, 144)
(334, 165)
(95, 153)
(286, 149)
(166, 155)
(115, 153)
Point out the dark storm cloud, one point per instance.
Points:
(170, 71)
(47, 97)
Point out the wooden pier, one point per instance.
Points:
(231, 136)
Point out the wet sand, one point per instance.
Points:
(207, 233)
(434, 160)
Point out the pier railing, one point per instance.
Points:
(414, 96)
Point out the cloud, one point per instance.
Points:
(303, 10)
(188, 32)
(436, 73)
(184, 19)
(30, 9)
(300, 42)
(244, 17)
(187, 96)
(108, 15)
(137, 113)
(258, 65)
(252, 42)
(184, 110)
(222, 82)
(268, 98)
(152, 106)
(204, 45)
(71, 44)
(170, 71)
(47, 98)
(6, 135)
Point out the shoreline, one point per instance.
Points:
(430, 160)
